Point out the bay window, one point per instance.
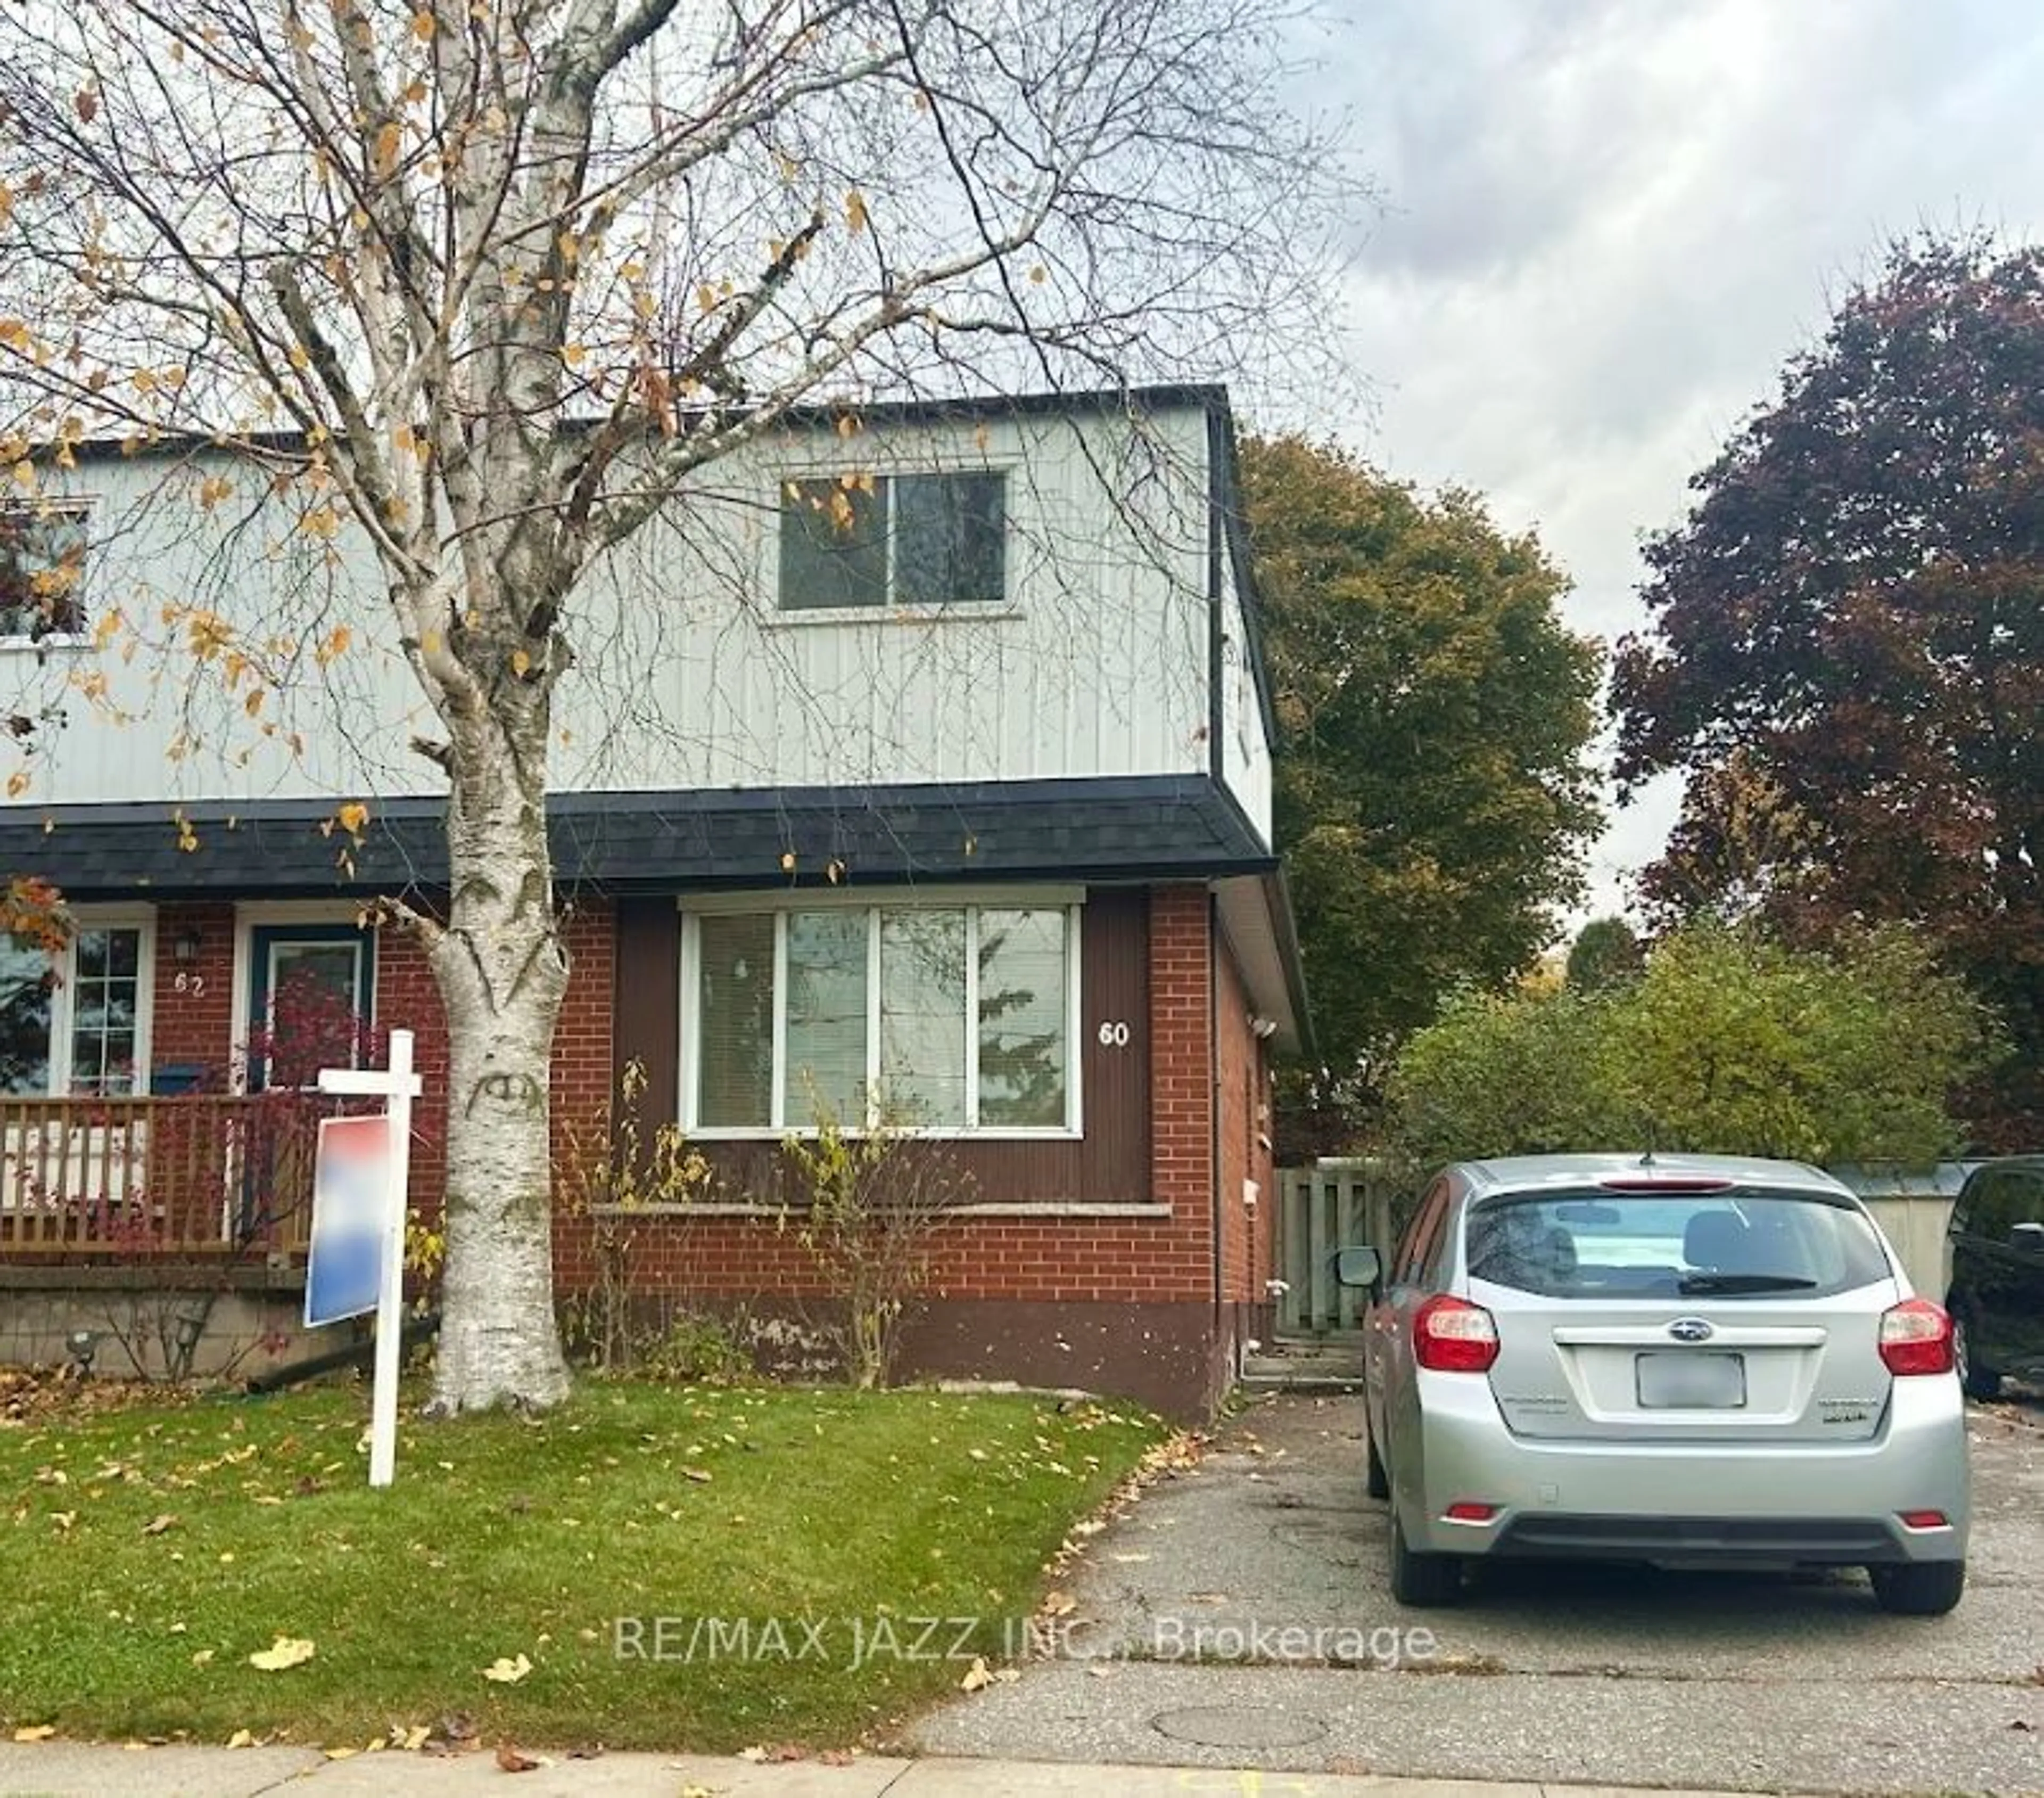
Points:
(927, 1016)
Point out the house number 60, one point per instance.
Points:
(1114, 1034)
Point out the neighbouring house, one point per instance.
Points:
(922, 753)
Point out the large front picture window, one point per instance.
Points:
(930, 1017)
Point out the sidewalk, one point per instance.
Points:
(65, 1769)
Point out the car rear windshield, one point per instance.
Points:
(1739, 1243)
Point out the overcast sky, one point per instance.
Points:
(1607, 223)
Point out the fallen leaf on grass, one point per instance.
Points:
(201, 1658)
(36, 1732)
(156, 1526)
(286, 1651)
(505, 1671)
(700, 1475)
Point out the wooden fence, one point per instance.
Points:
(1336, 1202)
(1330, 1205)
(194, 1175)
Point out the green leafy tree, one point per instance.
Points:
(1509, 1074)
(1847, 658)
(1432, 791)
(1731, 1042)
(1605, 954)
(1735, 1042)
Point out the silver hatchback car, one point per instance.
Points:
(1690, 1360)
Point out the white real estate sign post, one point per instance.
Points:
(397, 1086)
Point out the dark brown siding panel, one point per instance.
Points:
(1112, 1162)
(648, 1018)
(1115, 977)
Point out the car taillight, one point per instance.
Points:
(1453, 1336)
(1916, 1338)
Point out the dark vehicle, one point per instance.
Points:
(1997, 1292)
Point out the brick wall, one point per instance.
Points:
(191, 1020)
(1136, 1259)
(192, 1027)
(407, 1000)
(1150, 1260)
(1180, 1069)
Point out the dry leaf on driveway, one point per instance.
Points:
(36, 1732)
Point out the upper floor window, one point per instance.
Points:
(947, 1017)
(42, 570)
(76, 1022)
(901, 541)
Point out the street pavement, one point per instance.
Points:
(55, 1769)
(1238, 1612)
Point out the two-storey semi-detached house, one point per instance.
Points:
(920, 759)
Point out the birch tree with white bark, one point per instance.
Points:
(484, 282)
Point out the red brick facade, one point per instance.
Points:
(1151, 1292)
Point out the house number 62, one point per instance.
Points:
(1114, 1034)
(192, 983)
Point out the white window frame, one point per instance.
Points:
(973, 900)
(63, 1000)
(962, 609)
(83, 506)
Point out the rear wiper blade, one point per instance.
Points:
(1744, 1282)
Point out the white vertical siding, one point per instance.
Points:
(1245, 742)
(687, 676)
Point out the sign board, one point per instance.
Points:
(350, 1185)
(366, 1174)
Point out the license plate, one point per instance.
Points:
(1692, 1381)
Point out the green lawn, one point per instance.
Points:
(558, 1540)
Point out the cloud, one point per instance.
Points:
(1608, 226)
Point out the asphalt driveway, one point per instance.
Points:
(1238, 1614)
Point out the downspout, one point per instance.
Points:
(1213, 1126)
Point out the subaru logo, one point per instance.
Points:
(1690, 1329)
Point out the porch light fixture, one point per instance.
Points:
(185, 947)
(1265, 1028)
